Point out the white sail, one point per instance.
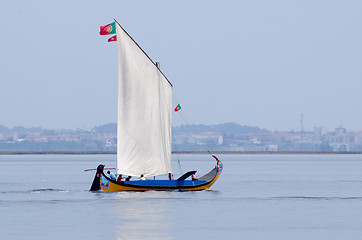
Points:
(144, 112)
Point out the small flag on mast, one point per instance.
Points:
(112, 39)
(177, 108)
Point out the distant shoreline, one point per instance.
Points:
(179, 152)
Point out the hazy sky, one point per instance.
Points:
(258, 63)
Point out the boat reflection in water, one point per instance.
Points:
(143, 215)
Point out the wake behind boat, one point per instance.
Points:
(144, 125)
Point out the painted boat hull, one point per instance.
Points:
(102, 182)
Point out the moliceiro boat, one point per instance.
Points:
(144, 125)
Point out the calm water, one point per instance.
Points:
(256, 197)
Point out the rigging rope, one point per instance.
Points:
(180, 114)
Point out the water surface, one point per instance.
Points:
(257, 197)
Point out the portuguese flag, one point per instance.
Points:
(108, 29)
(177, 108)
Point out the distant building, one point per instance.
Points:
(206, 139)
(340, 130)
(271, 148)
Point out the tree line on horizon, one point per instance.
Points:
(111, 128)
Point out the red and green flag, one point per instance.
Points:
(177, 108)
(112, 39)
(108, 29)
